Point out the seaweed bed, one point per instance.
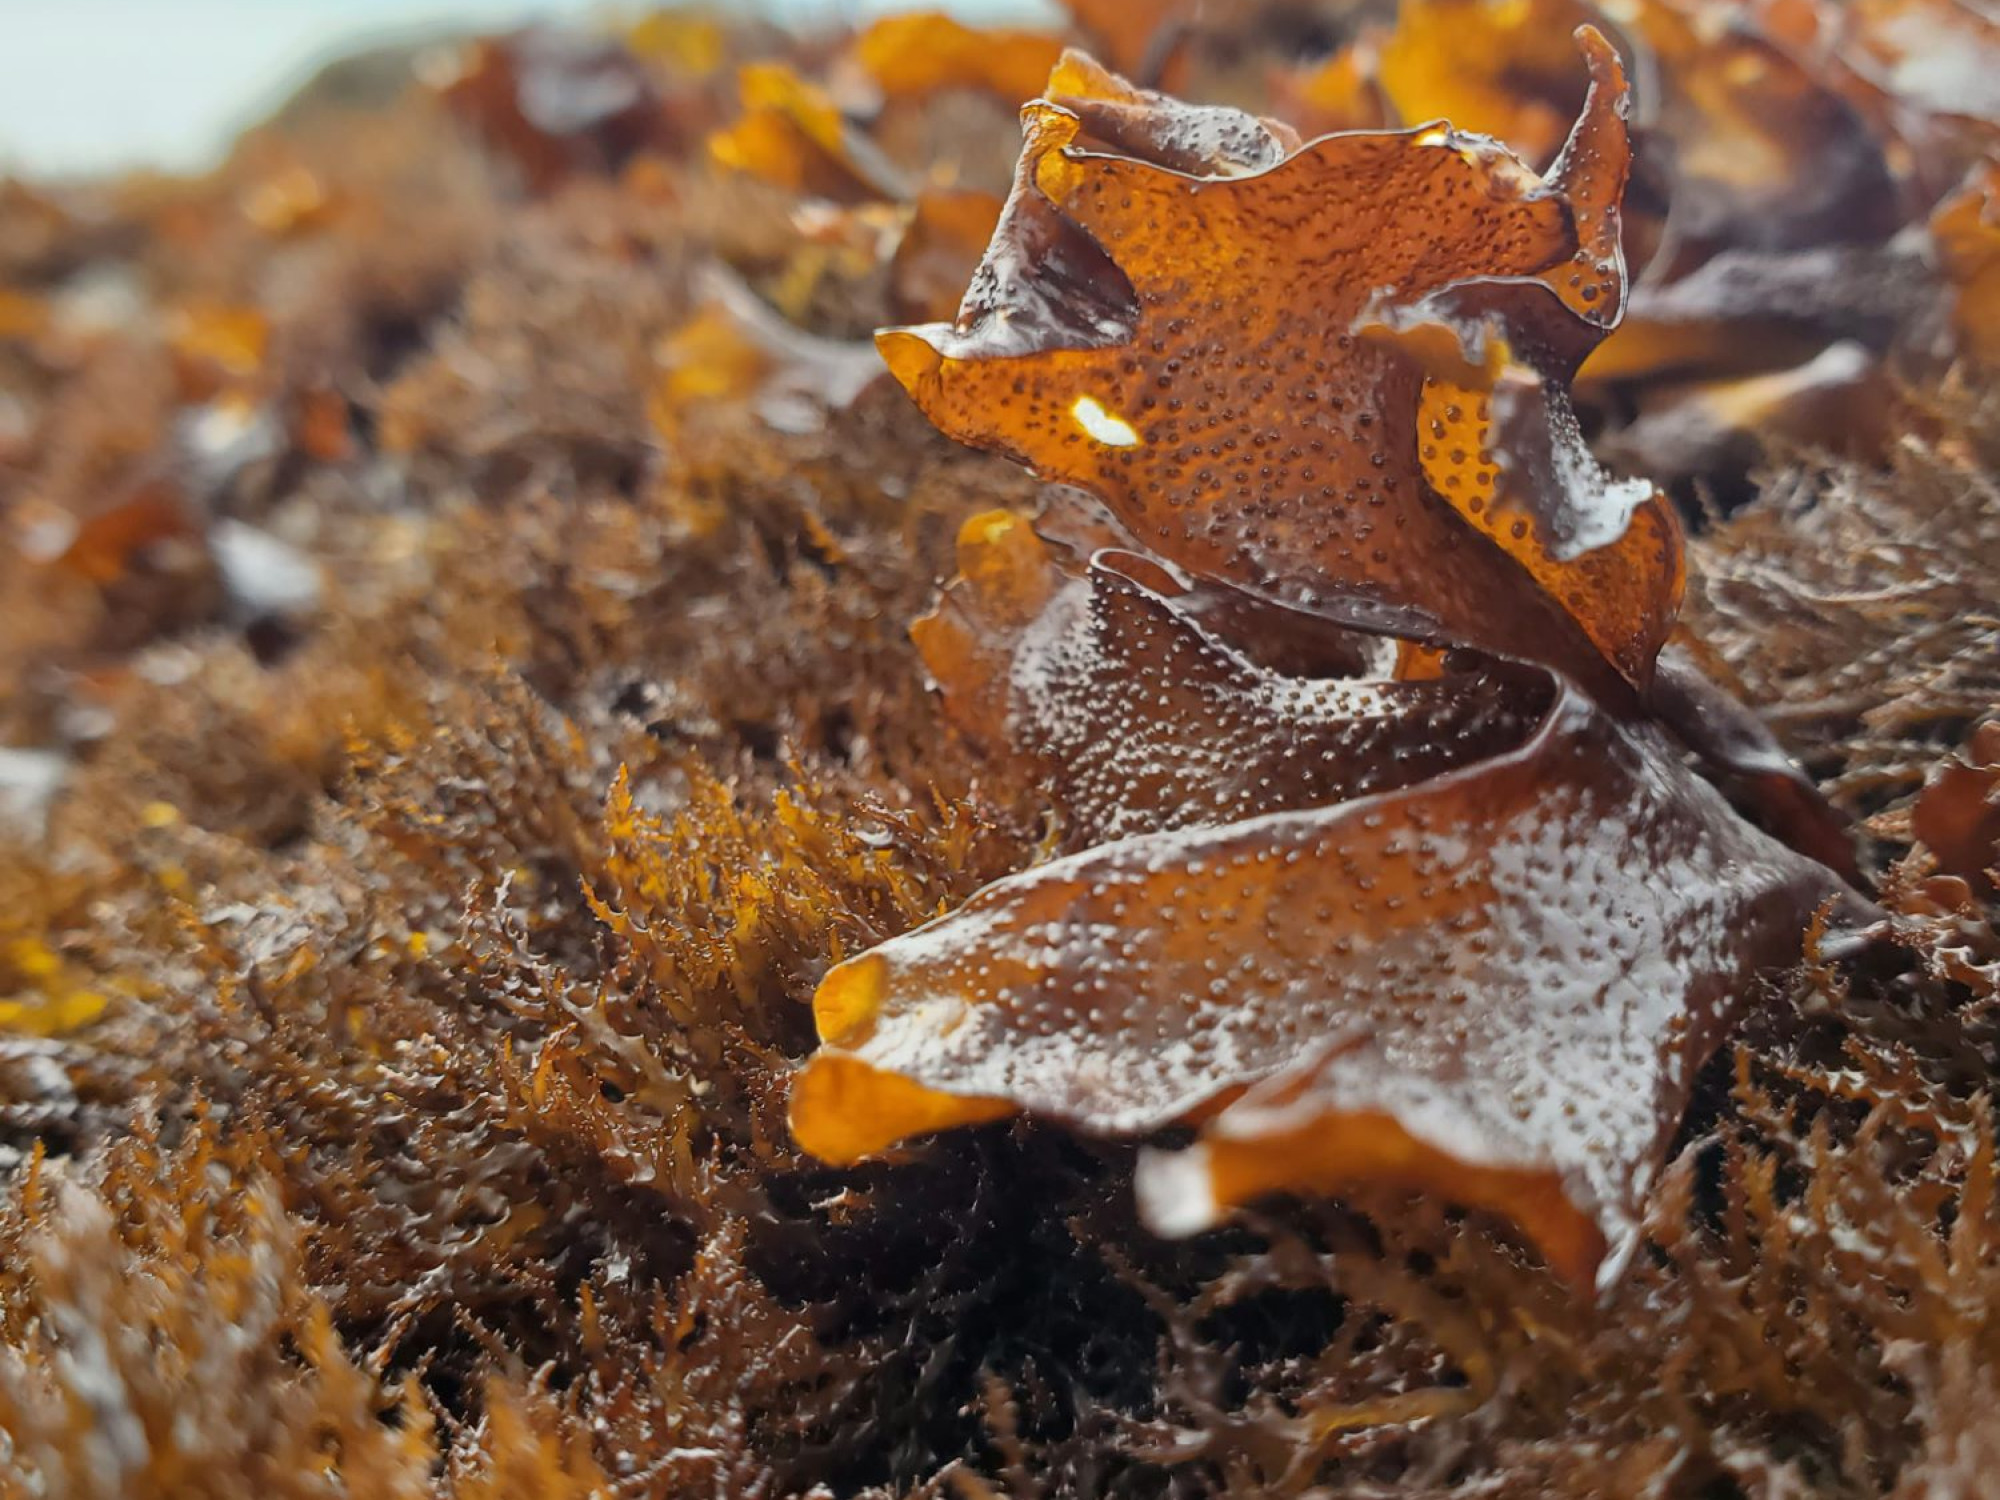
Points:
(457, 702)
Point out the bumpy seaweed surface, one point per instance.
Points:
(457, 703)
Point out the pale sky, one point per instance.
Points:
(89, 85)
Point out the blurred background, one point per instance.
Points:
(90, 86)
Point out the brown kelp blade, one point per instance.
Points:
(1519, 966)
(1174, 316)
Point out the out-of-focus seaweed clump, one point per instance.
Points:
(456, 704)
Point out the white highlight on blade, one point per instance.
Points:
(1113, 432)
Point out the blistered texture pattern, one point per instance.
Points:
(1143, 718)
(1365, 907)
(1277, 364)
(1498, 984)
